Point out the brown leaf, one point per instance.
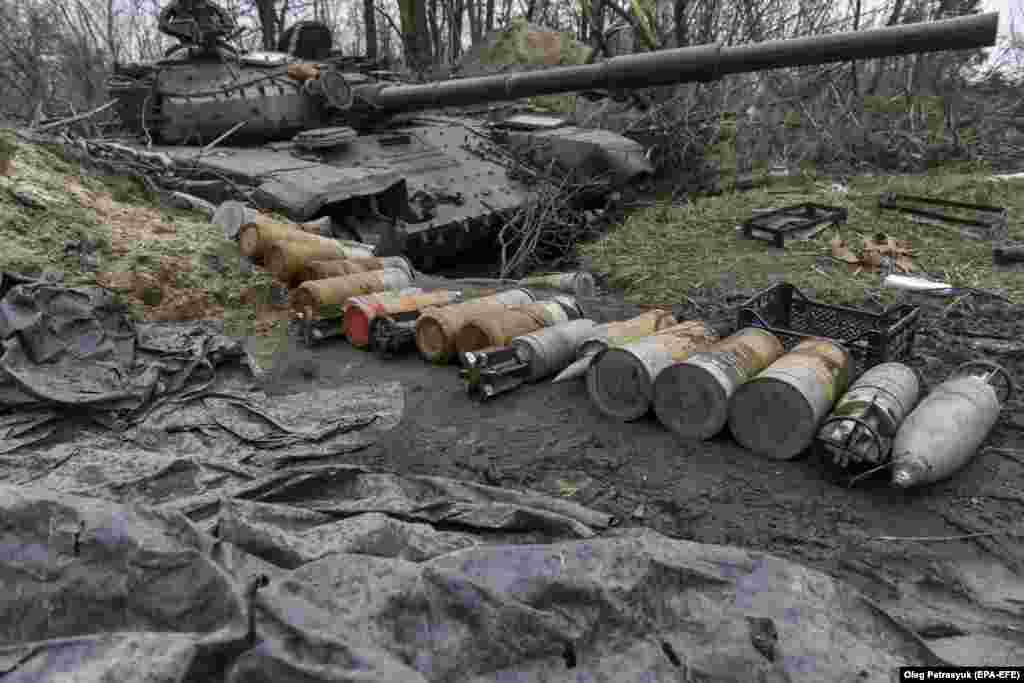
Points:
(303, 71)
(904, 264)
(871, 259)
(842, 252)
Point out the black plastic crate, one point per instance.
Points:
(871, 338)
(800, 221)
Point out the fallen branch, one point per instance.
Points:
(961, 537)
(79, 117)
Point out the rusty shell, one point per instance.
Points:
(361, 311)
(621, 378)
(321, 270)
(260, 233)
(336, 291)
(437, 326)
(287, 260)
(691, 398)
(641, 326)
(777, 413)
(497, 327)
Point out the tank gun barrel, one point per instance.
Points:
(702, 63)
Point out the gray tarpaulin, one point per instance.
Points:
(131, 592)
(147, 393)
(163, 520)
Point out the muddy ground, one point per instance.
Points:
(964, 596)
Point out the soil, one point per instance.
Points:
(128, 224)
(956, 593)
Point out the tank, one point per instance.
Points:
(311, 135)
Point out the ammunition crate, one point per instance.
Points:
(871, 338)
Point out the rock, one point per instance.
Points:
(27, 199)
(89, 262)
(214, 262)
(278, 295)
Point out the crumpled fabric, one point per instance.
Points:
(99, 590)
(96, 588)
(76, 347)
(71, 355)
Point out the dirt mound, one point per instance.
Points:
(522, 46)
(127, 224)
(168, 265)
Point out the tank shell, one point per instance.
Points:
(496, 328)
(436, 327)
(621, 379)
(944, 431)
(692, 398)
(777, 413)
(879, 400)
(336, 291)
(551, 349)
(360, 311)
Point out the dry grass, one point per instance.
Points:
(165, 264)
(663, 252)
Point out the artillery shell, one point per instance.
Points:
(257, 237)
(287, 260)
(641, 326)
(692, 398)
(497, 327)
(777, 413)
(360, 311)
(944, 431)
(864, 421)
(321, 270)
(552, 348)
(436, 327)
(336, 291)
(579, 283)
(621, 379)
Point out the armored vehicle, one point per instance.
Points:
(310, 134)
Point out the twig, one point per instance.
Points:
(1008, 453)
(961, 537)
(220, 139)
(48, 470)
(73, 119)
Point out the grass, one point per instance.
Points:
(661, 253)
(34, 239)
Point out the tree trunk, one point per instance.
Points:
(458, 9)
(370, 26)
(682, 26)
(894, 18)
(489, 22)
(268, 19)
(436, 39)
(476, 32)
(415, 34)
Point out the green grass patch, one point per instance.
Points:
(34, 239)
(513, 47)
(663, 252)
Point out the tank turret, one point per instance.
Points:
(204, 90)
(345, 140)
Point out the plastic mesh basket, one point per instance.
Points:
(871, 338)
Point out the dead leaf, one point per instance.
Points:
(842, 252)
(904, 264)
(303, 72)
(871, 259)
